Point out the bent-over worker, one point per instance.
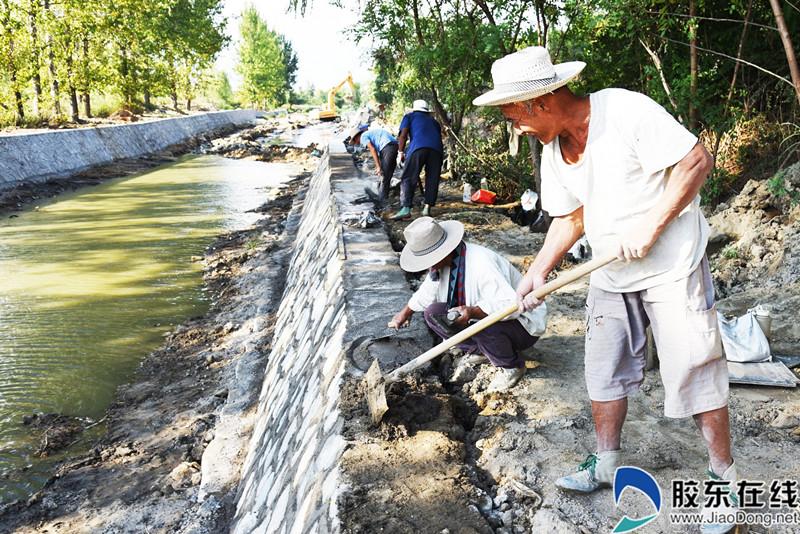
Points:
(475, 282)
(383, 147)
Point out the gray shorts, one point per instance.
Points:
(684, 322)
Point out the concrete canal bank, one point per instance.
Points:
(43, 156)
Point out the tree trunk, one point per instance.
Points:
(787, 46)
(19, 116)
(87, 105)
(20, 113)
(147, 104)
(73, 104)
(126, 82)
(87, 102)
(188, 104)
(51, 57)
(692, 64)
(73, 93)
(37, 78)
(173, 93)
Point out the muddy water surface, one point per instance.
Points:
(90, 283)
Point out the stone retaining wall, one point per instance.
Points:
(343, 283)
(41, 156)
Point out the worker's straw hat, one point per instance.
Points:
(526, 74)
(357, 130)
(428, 242)
(420, 105)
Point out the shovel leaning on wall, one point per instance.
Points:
(376, 382)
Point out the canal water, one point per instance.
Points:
(90, 282)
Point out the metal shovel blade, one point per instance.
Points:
(376, 392)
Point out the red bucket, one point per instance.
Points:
(484, 196)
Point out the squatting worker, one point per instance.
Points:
(424, 150)
(382, 145)
(475, 282)
(616, 165)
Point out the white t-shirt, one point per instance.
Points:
(632, 144)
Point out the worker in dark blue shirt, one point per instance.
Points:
(424, 150)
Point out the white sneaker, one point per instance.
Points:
(473, 359)
(426, 210)
(596, 472)
(505, 379)
(721, 528)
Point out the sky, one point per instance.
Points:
(325, 55)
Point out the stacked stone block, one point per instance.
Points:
(343, 285)
(290, 477)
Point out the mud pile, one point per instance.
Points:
(262, 143)
(756, 236)
(755, 254)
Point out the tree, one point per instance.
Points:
(290, 63)
(260, 62)
(787, 45)
(11, 56)
(221, 91)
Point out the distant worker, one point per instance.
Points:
(383, 147)
(465, 283)
(425, 150)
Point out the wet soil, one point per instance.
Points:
(143, 474)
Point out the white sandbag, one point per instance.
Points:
(743, 339)
(580, 249)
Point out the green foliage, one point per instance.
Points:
(309, 96)
(290, 62)
(790, 144)
(778, 186)
(443, 51)
(267, 63)
(222, 94)
(483, 153)
(57, 51)
(718, 184)
(730, 252)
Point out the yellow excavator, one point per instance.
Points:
(330, 114)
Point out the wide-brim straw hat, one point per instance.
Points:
(361, 128)
(420, 105)
(526, 74)
(428, 242)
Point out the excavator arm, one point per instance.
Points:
(330, 113)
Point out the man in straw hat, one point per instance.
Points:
(474, 282)
(420, 143)
(616, 165)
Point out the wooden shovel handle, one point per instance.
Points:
(540, 292)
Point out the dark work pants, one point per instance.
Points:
(431, 161)
(501, 342)
(388, 164)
